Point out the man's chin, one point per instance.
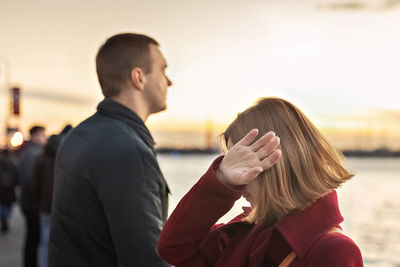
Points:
(160, 109)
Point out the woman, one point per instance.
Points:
(290, 182)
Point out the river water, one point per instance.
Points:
(370, 202)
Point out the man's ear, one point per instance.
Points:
(138, 78)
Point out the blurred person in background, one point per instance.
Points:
(43, 175)
(294, 216)
(28, 199)
(8, 182)
(110, 198)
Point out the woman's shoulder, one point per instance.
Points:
(335, 249)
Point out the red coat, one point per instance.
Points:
(191, 239)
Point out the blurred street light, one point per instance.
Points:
(17, 139)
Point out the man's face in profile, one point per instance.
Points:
(157, 82)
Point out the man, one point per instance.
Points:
(43, 177)
(8, 182)
(110, 198)
(28, 199)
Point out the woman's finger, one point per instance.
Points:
(250, 174)
(264, 140)
(249, 138)
(271, 160)
(268, 148)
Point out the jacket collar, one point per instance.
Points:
(303, 229)
(120, 112)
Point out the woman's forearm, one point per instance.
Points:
(193, 218)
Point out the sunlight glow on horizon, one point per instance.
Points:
(339, 67)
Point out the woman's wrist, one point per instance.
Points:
(221, 177)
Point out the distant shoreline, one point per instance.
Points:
(382, 152)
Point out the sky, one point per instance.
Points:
(337, 61)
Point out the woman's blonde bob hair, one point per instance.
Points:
(309, 168)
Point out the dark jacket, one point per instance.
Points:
(190, 237)
(110, 198)
(8, 178)
(43, 173)
(28, 197)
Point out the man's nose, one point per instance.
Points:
(169, 82)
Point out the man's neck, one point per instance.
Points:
(35, 142)
(133, 104)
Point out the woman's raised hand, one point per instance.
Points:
(246, 160)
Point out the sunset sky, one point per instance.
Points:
(337, 61)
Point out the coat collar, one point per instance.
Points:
(119, 112)
(303, 229)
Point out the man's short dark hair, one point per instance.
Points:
(36, 129)
(118, 56)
